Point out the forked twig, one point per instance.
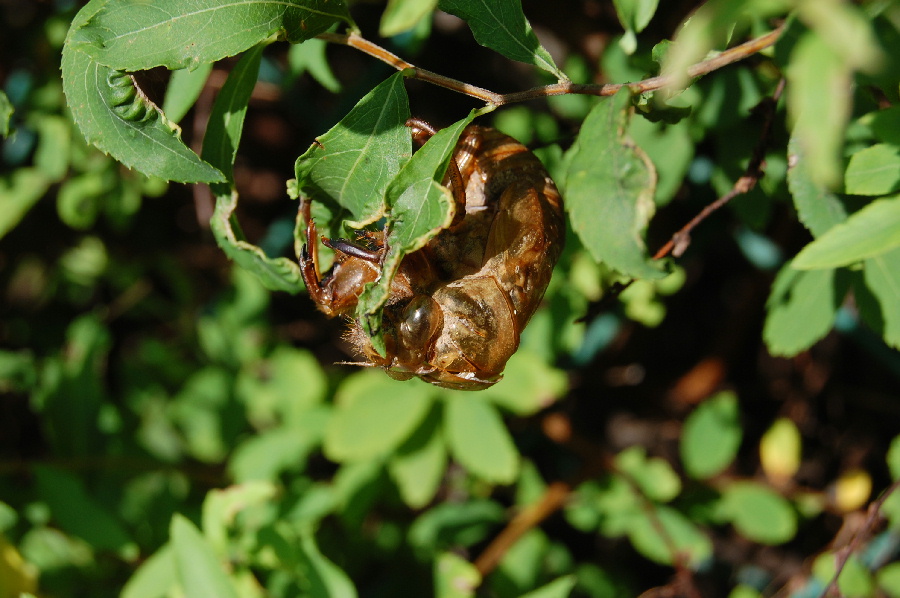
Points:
(680, 241)
(492, 98)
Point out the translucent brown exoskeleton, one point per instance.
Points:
(458, 305)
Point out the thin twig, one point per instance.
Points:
(553, 499)
(680, 241)
(873, 516)
(566, 87)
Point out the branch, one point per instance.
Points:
(873, 516)
(494, 99)
(680, 241)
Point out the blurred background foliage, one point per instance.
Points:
(168, 427)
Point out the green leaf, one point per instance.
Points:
(184, 88)
(872, 231)
(817, 208)
(54, 150)
(655, 477)
(77, 512)
(223, 135)
(177, 34)
(374, 415)
(419, 208)
(266, 455)
(80, 199)
(646, 535)
(221, 507)
(558, 588)
(325, 579)
(419, 464)
(121, 121)
(501, 26)
(874, 170)
(888, 579)
(453, 524)
(670, 149)
(226, 121)
(528, 385)
(818, 91)
(711, 436)
(634, 15)
(780, 450)
(882, 275)
(277, 274)
(200, 573)
(352, 164)
(6, 112)
(403, 15)
(893, 458)
(609, 190)
(310, 57)
(19, 191)
(455, 577)
(801, 308)
(478, 439)
(759, 513)
(155, 577)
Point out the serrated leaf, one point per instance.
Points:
(818, 92)
(419, 208)
(223, 135)
(874, 170)
(455, 577)
(801, 309)
(374, 415)
(711, 436)
(501, 26)
(478, 439)
(758, 513)
(121, 121)
(645, 533)
(817, 208)
(177, 34)
(277, 274)
(352, 164)
(882, 276)
(870, 232)
(403, 15)
(183, 90)
(609, 190)
(200, 572)
(418, 466)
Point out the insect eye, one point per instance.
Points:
(422, 320)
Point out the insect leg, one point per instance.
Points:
(345, 246)
(421, 130)
(309, 256)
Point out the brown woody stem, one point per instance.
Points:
(497, 99)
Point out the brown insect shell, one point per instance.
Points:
(458, 305)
